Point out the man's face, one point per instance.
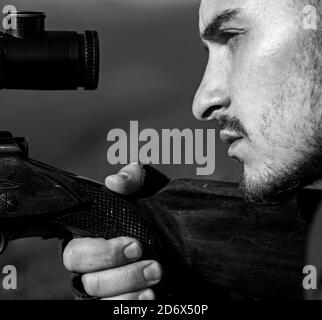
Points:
(262, 84)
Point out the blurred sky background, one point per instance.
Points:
(151, 66)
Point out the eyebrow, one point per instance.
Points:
(214, 27)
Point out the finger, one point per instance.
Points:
(91, 255)
(128, 181)
(147, 294)
(130, 278)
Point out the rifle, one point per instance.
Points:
(200, 229)
(202, 232)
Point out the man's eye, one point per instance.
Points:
(226, 36)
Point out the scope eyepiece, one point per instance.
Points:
(35, 59)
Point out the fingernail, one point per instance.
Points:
(132, 251)
(146, 295)
(152, 272)
(137, 163)
(123, 175)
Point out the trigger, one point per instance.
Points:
(4, 240)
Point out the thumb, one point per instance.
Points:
(128, 181)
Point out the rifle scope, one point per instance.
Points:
(35, 59)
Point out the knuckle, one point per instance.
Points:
(111, 260)
(134, 277)
(114, 248)
(78, 252)
(70, 255)
(75, 252)
(113, 244)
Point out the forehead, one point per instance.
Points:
(262, 10)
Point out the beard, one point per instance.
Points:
(277, 186)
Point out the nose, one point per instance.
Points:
(213, 94)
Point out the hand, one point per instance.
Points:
(110, 268)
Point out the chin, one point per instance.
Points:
(261, 183)
(265, 189)
(253, 192)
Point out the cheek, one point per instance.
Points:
(270, 47)
(264, 67)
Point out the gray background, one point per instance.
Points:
(151, 65)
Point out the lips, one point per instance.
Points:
(229, 137)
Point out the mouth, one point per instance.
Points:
(229, 137)
(232, 138)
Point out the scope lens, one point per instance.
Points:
(32, 58)
(89, 58)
